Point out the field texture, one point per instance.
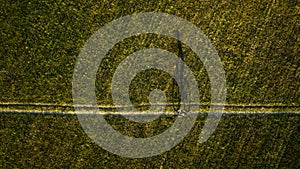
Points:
(257, 42)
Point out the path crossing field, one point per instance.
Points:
(258, 46)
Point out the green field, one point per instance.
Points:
(257, 42)
(55, 141)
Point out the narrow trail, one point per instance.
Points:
(229, 109)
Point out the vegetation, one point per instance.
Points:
(258, 43)
(55, 141)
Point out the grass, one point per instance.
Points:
(257, 42)
(55, 141)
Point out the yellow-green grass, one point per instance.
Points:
(257, 42)
(56, 141)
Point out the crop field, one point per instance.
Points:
(56, 141)
(257, 43)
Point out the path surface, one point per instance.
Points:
(47, 108)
